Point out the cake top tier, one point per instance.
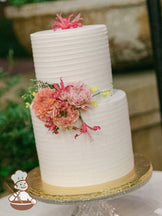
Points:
(77, 54)
(62, 32)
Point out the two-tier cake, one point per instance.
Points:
(97, 146)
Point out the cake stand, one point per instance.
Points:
(91, 200)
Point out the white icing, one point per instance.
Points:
(82, 54)
(73, 54)
(69, 162)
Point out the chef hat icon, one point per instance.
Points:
(19, 175)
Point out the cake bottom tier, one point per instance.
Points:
(69, 162)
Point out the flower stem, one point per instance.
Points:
(96, 94)
(80, 117)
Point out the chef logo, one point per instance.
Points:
(20, 200)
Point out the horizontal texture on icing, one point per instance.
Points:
(80, 54)
(69, 162)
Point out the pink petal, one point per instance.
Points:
(76, 136)
(70, 17)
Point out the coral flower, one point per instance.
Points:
(64, 115)
(78, 95)
(43, 104)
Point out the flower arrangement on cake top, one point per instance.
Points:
(66, 23)
(59, 105)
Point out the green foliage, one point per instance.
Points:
(19, 3)
(11, 59)
(17, 145)
(9, 81)
(8, 40)
(28, 95)
(37, 84)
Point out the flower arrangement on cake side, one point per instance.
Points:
(59, 105)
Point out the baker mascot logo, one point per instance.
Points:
(21, 200)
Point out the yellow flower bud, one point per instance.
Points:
(34, 94)
(109, 93)
(27, 105)
(94, 88)
(94, 104)
(106, 92)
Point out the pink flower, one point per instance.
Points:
(51, 126)
(66, 23)
(43, 103)
(84, 129)
(64, 115)
(78, 94)
(60, 88)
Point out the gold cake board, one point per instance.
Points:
(110, 190)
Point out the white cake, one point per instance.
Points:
(82, 54)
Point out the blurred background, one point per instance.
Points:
(132, 64)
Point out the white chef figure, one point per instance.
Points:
(19, 179)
